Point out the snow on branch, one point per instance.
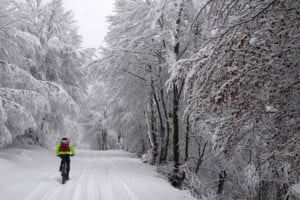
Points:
(11, 76)
(18, 118)
(60, 100)
(34, 102)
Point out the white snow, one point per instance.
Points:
(32, 174)
(271, 108)
(296, 189)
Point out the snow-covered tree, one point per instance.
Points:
(41, 76)
(124, 69)
(145, 40)
(244, 83)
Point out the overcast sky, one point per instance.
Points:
(91, 19)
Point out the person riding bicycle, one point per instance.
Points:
(64, 150)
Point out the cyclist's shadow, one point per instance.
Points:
(58, 179)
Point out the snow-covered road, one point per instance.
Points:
(110, 175)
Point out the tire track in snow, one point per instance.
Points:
(91, 188)
(128, 190)
(105, 188)
(78, 188)
(20, 180)
(111, 175)
(53, 191)
(124, 185)
(25, 183)
(41, 187)
(91, 185)
(62, 191)
(75, 188)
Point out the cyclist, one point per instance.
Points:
(64, 150)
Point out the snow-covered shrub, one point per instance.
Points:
(3, 116)
(295, 191)
(5, 135)
(199, 186)
(147, 157)
(29, 138)
(251, 178)
(18, 118)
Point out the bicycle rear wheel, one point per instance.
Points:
(63, 179)
(64, 172)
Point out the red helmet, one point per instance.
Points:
(65, 140)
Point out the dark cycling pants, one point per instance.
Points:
(65, 157)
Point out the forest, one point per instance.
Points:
(208, 91)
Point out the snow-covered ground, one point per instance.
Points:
(32, 174)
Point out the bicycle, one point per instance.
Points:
(64, 170)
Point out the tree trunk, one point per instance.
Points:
(272, 190)
(104, 139)
(222, 178)
(153, 133)
(175, 126)
(176, 97)
(187, 138)
(162, 128)
(167, 141)
(201, 155)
